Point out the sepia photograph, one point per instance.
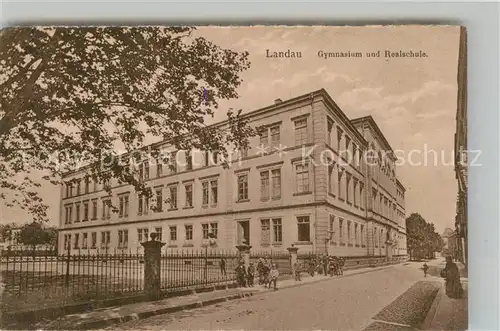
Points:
(234, 178)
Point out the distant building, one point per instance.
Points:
(447, 234)
(276, 196)
(12, 243)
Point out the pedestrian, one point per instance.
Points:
(331, 267)
(267, 270)
(296, 271)
(250, 274)
(451, 274)
(241, 274)
(425, 268)
(222, 264)
(260, 270)
(273, 276)
(325, 265)
(312, 265)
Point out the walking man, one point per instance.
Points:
(425, 268)
(222, 264)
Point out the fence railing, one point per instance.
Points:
(49, 279)
(280, 258)
(182, 270)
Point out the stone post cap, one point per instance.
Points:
(293, 249)
(243, 247)
(152, 244)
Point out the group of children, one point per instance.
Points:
(267, 271)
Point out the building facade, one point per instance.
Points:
(461, 228)
(304, 181)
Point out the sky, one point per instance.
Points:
(413, 100)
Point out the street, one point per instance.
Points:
(347, 303)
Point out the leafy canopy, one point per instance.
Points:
(73, 95)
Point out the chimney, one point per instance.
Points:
(277, 101)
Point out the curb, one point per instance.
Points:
(166, 310)
(431, 314)
(198, 304)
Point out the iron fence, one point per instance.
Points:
(58, 279)
(280, 258)
(182, 270)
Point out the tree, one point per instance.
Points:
(34, 234)
(6, 231)
(75, 95)
(422, 239)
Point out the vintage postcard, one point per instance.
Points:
(229, 178)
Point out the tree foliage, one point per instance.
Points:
(72, 96)
(34, 234)
(423, 240)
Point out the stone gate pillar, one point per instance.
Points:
(293, 255)
(152, 270)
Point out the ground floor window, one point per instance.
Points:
(303, 228)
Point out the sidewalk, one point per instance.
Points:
(446, 313)
(109, 316)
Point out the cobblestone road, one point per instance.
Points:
(343, 304)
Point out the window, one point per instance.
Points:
(84, 240)
(122, 206)
(340, 182)
(382, 237)
(361, 195)
(93, 240)
(68, 188)
(264, 137)
(106, 209)
(189, 195)
(303, 228)
(70, 208)
(78, 187)
(173, 233)
(302, 177)
(213, 187)
(348, 187)
(341, 230)
(125, 206)
(355, 233)
(76, 243)
(122, 238)
(87, 184)
(331, 179)
(206, 159)
(265, 236)
(68, 215)
(205, 193)
(106, 183)
(159, 200)
(214, 229)
(301, 132)
(94, 209)
(189, 160)
(159, 231)
(362, 234)
(349, 235)
(95, 185)
(77, 212)
(85, 211)
(173, 197)
(276, 177)
(205, 230)
(142, 234)
(243, 187)
(375, 237)
(275, 137)
(264, 185)
(355, 195)
(189, 231)
(159, 167)
(340, 133)
(105, 239)
(173, 163)
(346, 152)
(332, 225)
(329, 129)
(140, 201)
(277, 230)
(215, 157)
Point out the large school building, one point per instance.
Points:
(306, 181)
